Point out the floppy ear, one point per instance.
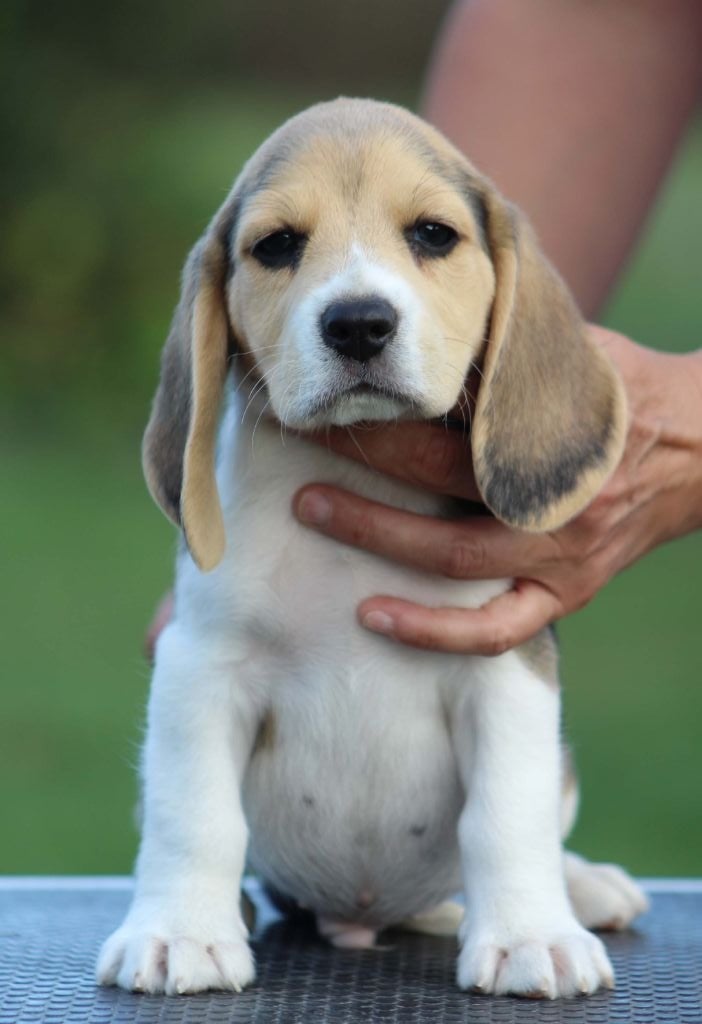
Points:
(179, 443)
(550, 416)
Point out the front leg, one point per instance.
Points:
(184, 931)
(520, 934)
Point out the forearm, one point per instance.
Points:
(574, 108)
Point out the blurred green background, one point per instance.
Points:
(123, 127)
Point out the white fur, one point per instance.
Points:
(394, 776)
(306, 369)
(365, 779)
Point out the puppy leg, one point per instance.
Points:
(443, 919)
(184, 931)
(603, 895)
(346, 934)
(520, 935)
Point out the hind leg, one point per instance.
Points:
(443, 919)
(603, 895)
(345, 934)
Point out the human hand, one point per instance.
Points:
(654, 495)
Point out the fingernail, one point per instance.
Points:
(379, 622)
(314, 508)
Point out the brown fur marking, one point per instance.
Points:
(540, 654)
(265, 738)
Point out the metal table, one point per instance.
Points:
(51, 929)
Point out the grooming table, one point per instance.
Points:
(51, 930)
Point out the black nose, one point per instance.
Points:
(358, 328)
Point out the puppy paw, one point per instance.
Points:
(602, 895)
(154, 961)
(566, 963)
(346, 934)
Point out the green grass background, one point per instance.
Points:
(85, 555)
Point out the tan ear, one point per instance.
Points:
(550, 417)
(179, 443)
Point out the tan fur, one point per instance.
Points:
(361, 183)
(202, 515)
(540, 654)
(550, 415)
(550, 418)
(179, 443)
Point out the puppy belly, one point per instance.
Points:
(363, 833)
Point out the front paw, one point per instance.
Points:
(566, 961)
(164, 960)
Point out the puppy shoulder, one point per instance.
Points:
(540, 655)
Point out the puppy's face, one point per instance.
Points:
(362, 282)
(358, 267)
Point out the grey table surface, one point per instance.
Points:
(51, 929)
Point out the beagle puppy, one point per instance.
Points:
(358, 270)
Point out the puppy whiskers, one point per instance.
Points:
(258, 420)
(255, 391)
(474, 366)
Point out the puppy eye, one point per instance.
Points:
(431, 238)
(281, 249)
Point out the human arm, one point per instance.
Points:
(575, 110)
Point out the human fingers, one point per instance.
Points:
(472, 548)
(504, 622)
(432, 457)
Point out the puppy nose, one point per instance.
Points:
(359, 328)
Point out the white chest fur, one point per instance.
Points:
(366, 779)
(353, 770)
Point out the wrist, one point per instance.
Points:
(675, 406)
(663, 457)
(691, 365)
(695, 362)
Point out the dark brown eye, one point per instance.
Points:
(280, 249)
(431, 238)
